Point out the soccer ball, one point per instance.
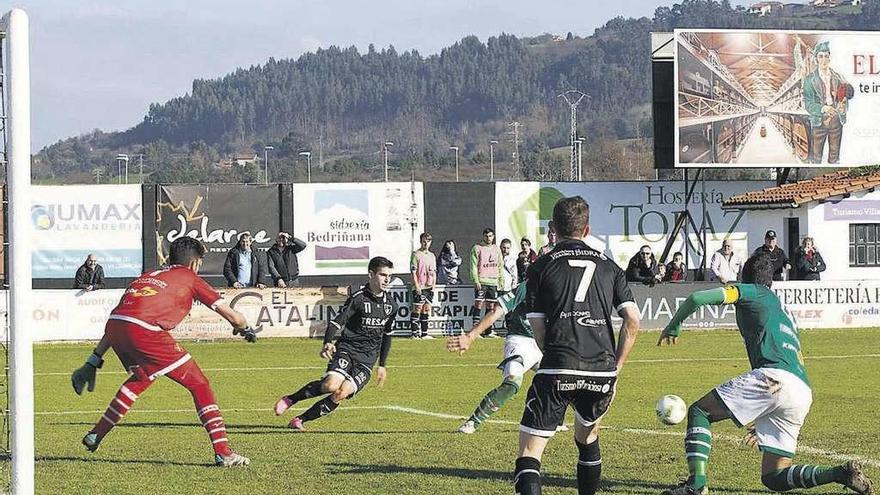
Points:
(671, 410)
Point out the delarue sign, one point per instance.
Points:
(217, 215)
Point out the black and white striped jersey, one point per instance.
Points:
(576, 288)
(363, 322)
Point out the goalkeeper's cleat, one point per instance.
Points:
(231, 460)
(856, 479)
(91, 441)
(296, 424)
(283, 404)
(468, 427)
(427, 337)
(684, 489)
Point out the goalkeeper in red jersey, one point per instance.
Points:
(138, 331)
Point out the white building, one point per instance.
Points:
(840, 210)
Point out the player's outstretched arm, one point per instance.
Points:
(86, 374)
(628, 332)
(461, 343)
(719, 295)
(238, 321)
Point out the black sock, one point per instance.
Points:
(475, 315)
(589, 467)
(488, 330)
(414, 324)
(309, 390)
(321, 408)
(423, 323)
(527, 476)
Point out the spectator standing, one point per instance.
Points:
(551, 239)
(282, 261)
(777, 256)
(449, 261)
(90, 275)
(485, 270)
(808, 263)
(509, 273)
(725, 266)
(242, 267)
(643, 267)
(676, 271)
(423, 266)
(526, 257)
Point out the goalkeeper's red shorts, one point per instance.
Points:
(148, 354)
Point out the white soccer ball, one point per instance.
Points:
(671, 410)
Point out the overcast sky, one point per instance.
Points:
(101, 63)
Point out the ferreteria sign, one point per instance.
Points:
(626, 215)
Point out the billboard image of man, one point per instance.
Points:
(826, 94)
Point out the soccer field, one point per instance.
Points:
(402, 440)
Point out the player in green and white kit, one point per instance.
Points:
(521, 353)
(775, 394)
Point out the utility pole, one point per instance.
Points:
(141, 162)
(321, 149)
(122, 157)
(308, 155)
(573, 97)
(266, 150)
(97, 172)
(580, 143)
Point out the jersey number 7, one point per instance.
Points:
(586, 279)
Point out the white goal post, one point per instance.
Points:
(16, 85)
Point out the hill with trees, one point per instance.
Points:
(343, 105)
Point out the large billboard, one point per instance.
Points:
(344, 225)
(217, 215)
(69, 222)
(776, 98)
(627, 215)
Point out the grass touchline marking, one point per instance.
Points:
(475, 365)
(421, 412)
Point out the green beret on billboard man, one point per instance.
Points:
(826, 94)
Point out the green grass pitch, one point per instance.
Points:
(401, 439)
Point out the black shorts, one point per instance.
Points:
(425, 296)
(488, 293)
(550, 395)
(352, 370)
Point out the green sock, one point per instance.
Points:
(803, 476)
(697, 446)
(494, 400)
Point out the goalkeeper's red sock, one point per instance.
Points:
(190, 376)
(121, 403)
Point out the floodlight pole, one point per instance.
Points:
(455, 149)
(308, 155)
(122, 157)
(266, 150)
(21, 360)
(385, 151)
(492, 144)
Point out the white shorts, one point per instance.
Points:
(777, 402)
(521, 353)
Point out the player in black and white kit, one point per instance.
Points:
(571, 293)
(366, 323)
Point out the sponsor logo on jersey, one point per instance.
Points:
(587, 385)
(342, 362)
(375, 322)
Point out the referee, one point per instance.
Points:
(571, 293)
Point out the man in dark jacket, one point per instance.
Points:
(90, 275)
(281, 257)
(242, 267)
(808, 263)
(777, 255)
(643, 267)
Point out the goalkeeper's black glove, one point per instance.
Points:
(247, 333)
(85, 374)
